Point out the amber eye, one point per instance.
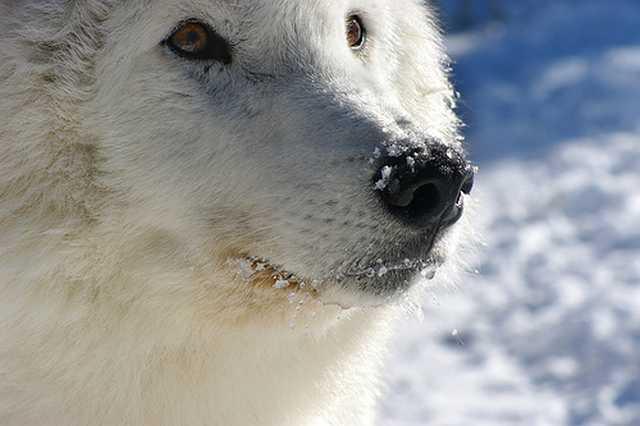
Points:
(355, 32)
(195, 40)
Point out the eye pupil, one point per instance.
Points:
(355, 33)
(192, 37)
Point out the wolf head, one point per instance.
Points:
(275, 140)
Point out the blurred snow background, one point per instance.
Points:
(547, 332)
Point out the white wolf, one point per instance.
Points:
(164, 163)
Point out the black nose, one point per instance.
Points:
(424, 187)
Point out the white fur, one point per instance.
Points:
(131, 180)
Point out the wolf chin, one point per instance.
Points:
(200, 214)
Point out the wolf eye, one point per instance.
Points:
(356, 35)
(195, 40)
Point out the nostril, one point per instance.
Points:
(426, 200)
(467, 186)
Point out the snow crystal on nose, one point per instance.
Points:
(385, 174)
(411, 161)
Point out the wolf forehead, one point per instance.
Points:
(265, 33)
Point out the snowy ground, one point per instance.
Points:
(548, 330)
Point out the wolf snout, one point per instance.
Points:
(424, 187)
